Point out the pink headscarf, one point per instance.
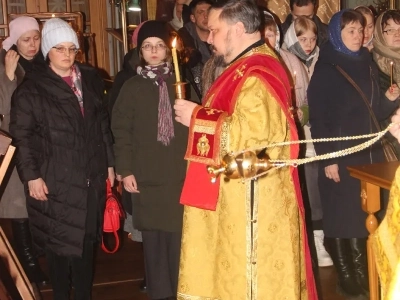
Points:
(135, 33)
(18, 27)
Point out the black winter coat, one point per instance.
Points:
(68, 151)
(337, 110)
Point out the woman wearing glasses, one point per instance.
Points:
(149, 151)
(64, 157)
(338, 109)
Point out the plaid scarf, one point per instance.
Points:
(77, 85)
(159, 74)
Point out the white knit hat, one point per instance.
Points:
(56, 31)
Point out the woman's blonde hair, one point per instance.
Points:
(302, 24)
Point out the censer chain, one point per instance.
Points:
(279, 163)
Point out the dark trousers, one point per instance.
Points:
(161, 259)
(79, 269)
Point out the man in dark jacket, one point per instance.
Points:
(194, 36)
(306, 8)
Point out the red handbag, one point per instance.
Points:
(113, 214)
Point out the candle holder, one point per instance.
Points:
(180, 90)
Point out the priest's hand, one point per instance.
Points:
(130, 184)
(38, 189)
(393, 92)
(332, 172)
(183, 111)
(395, 129)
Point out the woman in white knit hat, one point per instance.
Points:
(18, 52)
(61, 131)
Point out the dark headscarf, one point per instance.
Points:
(335, 34)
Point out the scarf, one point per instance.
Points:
(367, 44)
(159, 74)
(176, 23)
(335, 34)
(383, 54)
(293, 45)
(77, 85)
(277, 45)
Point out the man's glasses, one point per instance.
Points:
(64, 50)
(392, 31)
(149, 47)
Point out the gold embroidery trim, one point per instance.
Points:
(255, 240)
(204, 129)
(248, 241)
(190, 297)
(225, 137)
(207, 123)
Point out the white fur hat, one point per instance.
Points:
(56, 31)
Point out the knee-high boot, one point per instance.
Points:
(26, 254)
(340, 252)
(360, 262)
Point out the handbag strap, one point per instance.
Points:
(373, 117)
(103, 246)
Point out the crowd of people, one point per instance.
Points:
(251, 82)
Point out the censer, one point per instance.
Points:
(247, 164)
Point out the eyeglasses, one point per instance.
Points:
(392, 31)
(149, 47)
(64, 50)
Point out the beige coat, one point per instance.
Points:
(12, 201)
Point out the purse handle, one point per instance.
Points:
(373, 117)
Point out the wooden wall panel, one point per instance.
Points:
(98, 24)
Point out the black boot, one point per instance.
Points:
(359, 252)
(340, 252)
(25, 252)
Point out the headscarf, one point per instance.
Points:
(384, 54)
(293, 45)
(361, 9)
(277, 45)
(176, 23)
(18, 27)
(335, 34)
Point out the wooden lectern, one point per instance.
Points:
(14, 283)
(372, 178)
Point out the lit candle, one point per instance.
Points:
(391, 73)
(294, 78)
(175, 59)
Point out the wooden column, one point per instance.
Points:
(370, 203)
(98, 24)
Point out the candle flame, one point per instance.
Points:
(174, 43)
(391, 63)
(294, 73)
